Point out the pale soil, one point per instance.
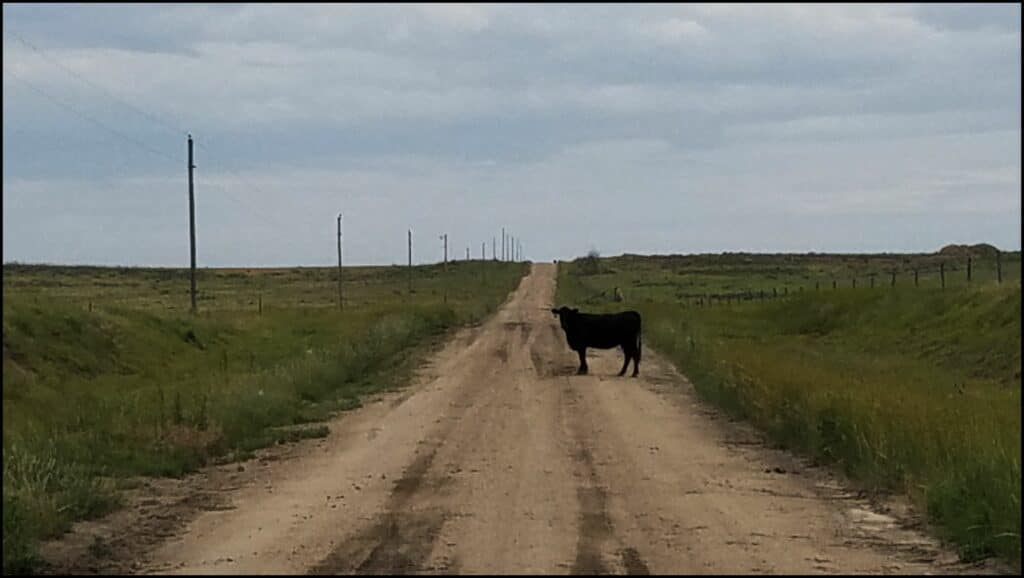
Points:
(498, 459)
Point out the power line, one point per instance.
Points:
(140, 144)
(60, 146)
(217, 186)
(222, 188)
(243, 179)
(274, 223)
(105, 90)
(89, 118)
(134, 107)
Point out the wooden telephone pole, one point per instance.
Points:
(192, 221)
(445, 237)
(341, 299)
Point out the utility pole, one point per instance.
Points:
(494, 245)
(445, 237)
(483, 251)
(410, 260)
(467, 253)
(341, 300)
(503, 243)
(192, 221)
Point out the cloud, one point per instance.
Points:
(645, 122)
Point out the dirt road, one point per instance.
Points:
(501, 460)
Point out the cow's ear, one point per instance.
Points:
(554, 312)
(574, 310)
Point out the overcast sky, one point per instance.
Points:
(621, 128)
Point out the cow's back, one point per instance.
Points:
(609, 330)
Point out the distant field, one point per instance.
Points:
(107, 375)
(691, 277)
(912, 389)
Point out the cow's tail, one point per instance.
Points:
(639, 342)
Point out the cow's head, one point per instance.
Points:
(565, 315)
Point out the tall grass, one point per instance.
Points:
(908, 390)
(91, 397)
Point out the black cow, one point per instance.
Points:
(583, 330)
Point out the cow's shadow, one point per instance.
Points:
(563, 370)
(550, 369)
(555, 369)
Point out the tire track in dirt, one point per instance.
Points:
(401, 540)
(599, 550)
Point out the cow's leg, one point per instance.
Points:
(636, 357)
(583, 361)
(625, 362)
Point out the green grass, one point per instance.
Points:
(138, 386)
(914, 390)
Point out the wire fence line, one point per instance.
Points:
(938, 277)
(935, 272)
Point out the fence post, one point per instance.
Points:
(854, 282)
(915, 278)
(833, 283)
(968, 269)
(816, 285)
(775, 292)
(785, 291)
(892, 282)
(942, 274)
(261, 304)
(999, 267)
(872, 280)
(90, 307)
